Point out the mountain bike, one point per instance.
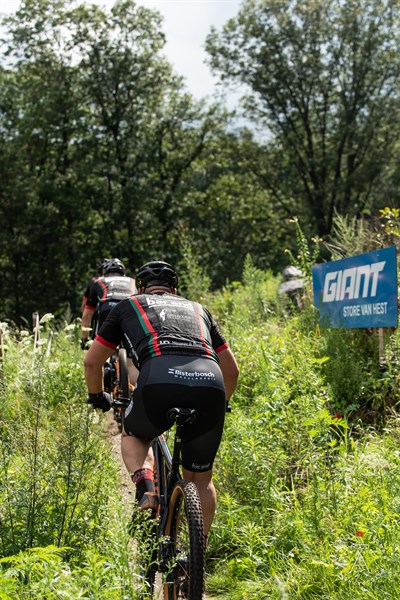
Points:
(116, 381)
(179, 527)
(179, 552)
(174, 547)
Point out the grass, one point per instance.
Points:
(307, 475)
(62, 520)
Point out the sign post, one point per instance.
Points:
(358, 292)
(381, 347)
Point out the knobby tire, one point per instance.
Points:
(122, 388)
(184, 527)
(123, 373)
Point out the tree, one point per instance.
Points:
(97, 139)
(43, 198)
(226, 213)
(323, 76)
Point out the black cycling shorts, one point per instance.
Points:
(180, 381)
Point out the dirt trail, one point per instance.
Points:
(127, 487)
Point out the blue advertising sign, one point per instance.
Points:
(360, 291)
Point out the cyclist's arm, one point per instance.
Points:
(105, 343)
(94, 361)
(83, 303)
(86, 321)
(86, 293)
(230, 370)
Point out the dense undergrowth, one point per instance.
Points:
(62, 520)
(308, 474)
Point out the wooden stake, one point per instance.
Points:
(381, 347)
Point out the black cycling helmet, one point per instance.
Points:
(100, 265)
(156, 272)
(113, 265)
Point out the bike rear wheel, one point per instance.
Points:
(121, 389)
(123, 375)
(184, 527)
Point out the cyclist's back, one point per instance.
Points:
(163, 323)
(183, 361)
(174, 343)
(107, 291)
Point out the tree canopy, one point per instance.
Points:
(323, 75)
(104, 152)
(98, 137)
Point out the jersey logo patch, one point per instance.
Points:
(193, 375)
(202, 467)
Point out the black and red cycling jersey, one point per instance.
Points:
(110, 290)
(86, 293)
(151, 325)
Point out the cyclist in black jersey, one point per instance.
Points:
(86, 294)
(183, 360)
(105, 293)
(99, 273)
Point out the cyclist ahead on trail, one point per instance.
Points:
(99, 273)
(184, 361)
(105, 292)
(86, 294)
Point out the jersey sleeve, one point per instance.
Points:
(87, 290)
(110, 333)
(217, 339)
(95, 292)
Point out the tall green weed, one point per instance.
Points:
(307, 483)
(63, 523)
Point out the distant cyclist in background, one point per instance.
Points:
(105, 293)
(99, 273)
(183, 360)
(86, 294)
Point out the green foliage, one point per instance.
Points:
(193, 282)
(113, 151)
(323, 78)
(229, 212)
(102, 153)
(238, 305)
(63, 525)
(390, 220)
(307, 474)
(307, 253)
(351, 236)
(112, 156)
(307, 497)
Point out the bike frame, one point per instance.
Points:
(167, 464)
(174, 492)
